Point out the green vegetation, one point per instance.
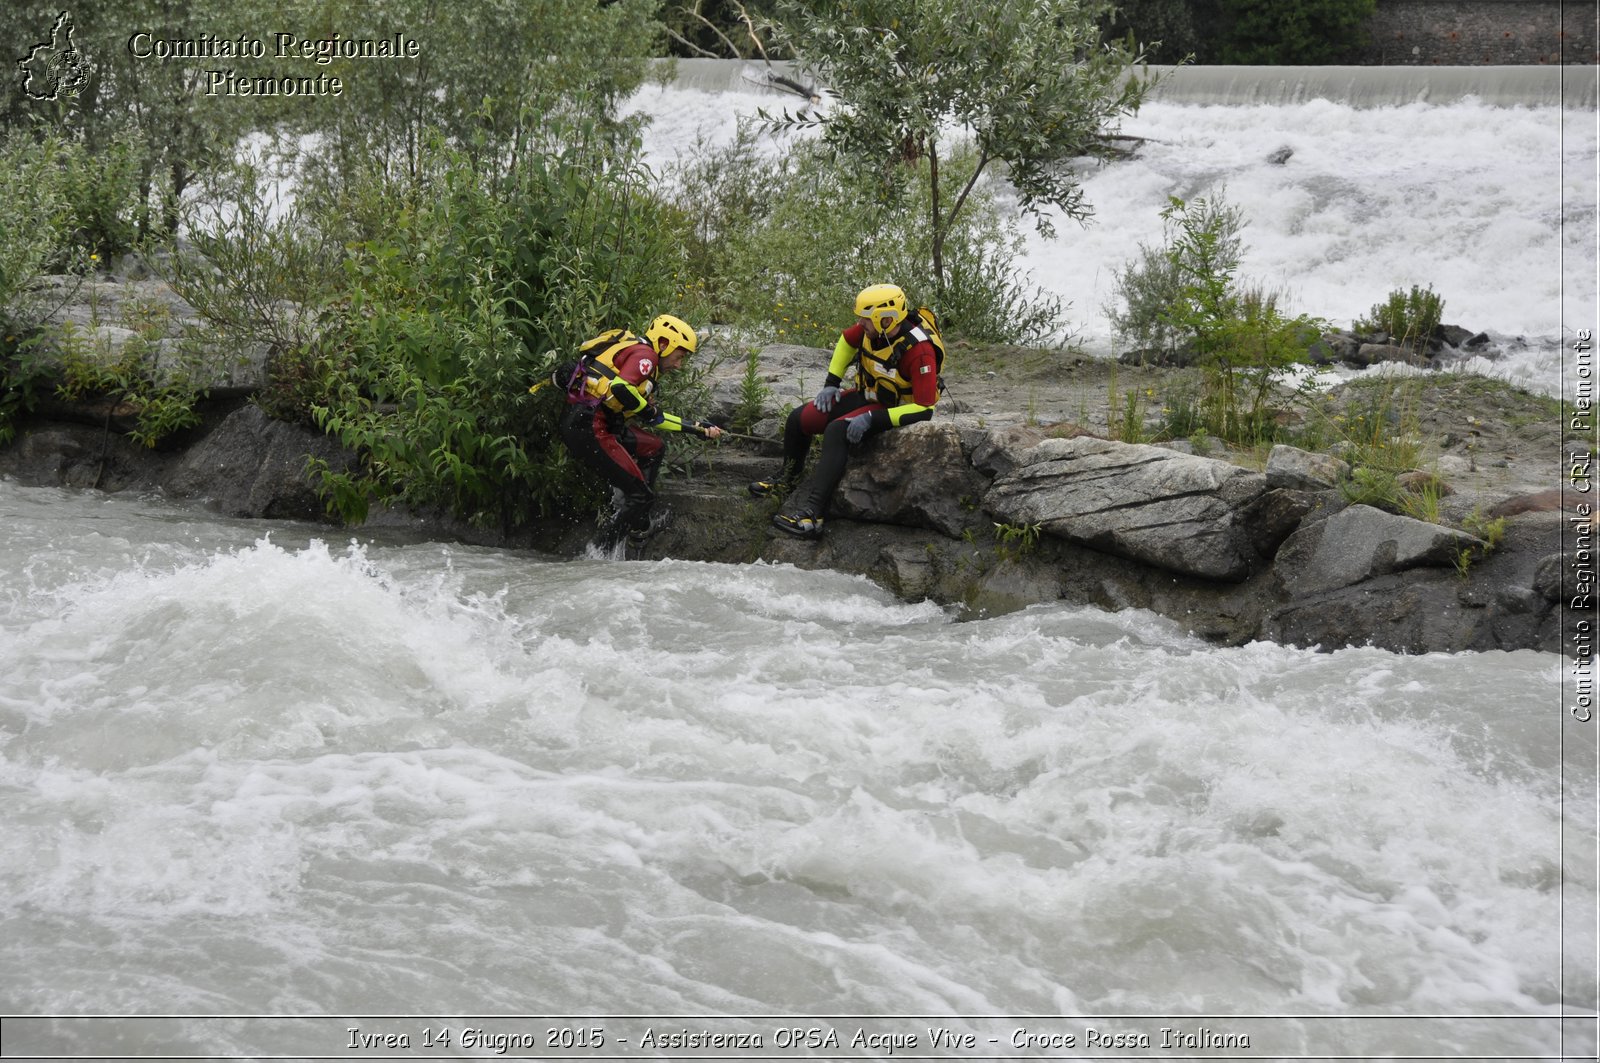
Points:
(1268, 32)
(161, 398)
(1187, 298)
(753, 393)
(1280, 32)
(781, 244)
(1410, 318)
(467, 296)
(453, 226)
(1274, 32)
(1035, 83)
(1492, 532)
(1016, 541)
(1204, 242)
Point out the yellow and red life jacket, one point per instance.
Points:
(878, 367)
(592, 378)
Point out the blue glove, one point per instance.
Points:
(826, 398)
(857, 428)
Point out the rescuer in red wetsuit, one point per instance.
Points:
(898, 356)
(610, 388)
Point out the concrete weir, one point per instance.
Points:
(1379, 86)
(1572, 86)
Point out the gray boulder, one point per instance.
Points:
(253, 466)
(1300, 470)
(917, 476)
(1373, 353)
(1177, 512)
(1359, 543)
(998, 451)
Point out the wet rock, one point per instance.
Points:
(253, 466)
(1373, 353)
(907, 571)
(918, 476)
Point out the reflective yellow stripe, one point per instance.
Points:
(898, 412)
(843, 355)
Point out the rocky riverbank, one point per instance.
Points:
(1014, 495)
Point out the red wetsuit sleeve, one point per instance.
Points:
(921, 366)
(636, 363)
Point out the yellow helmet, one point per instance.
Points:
(883, 304)
(668, 331)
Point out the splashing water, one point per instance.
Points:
(269, 776)
(1494, 207)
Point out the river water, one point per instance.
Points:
(260, 769)
(437, 800)
(1352, 181)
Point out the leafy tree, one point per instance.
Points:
(130, 101)
(1281, 32)
(1032, 83)
(777, 245)
(720, 29)
(491, 78)
(1165, 28)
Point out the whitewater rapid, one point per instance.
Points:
(1492, 206)
(250, 769)
(274, 791)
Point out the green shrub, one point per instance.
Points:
(107, 201)
(1281, 32)
(1201, 245)
(1188, 295)
(257, 271)
(1409, 317)
(162, 397)
(754, 394)
(33, 214)
(782, 245)
(467, 298)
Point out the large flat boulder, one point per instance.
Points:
(1182, 513)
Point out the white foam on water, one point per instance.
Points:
(386, 778)
(1494, 207)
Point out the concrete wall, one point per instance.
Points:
(1487, 32)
